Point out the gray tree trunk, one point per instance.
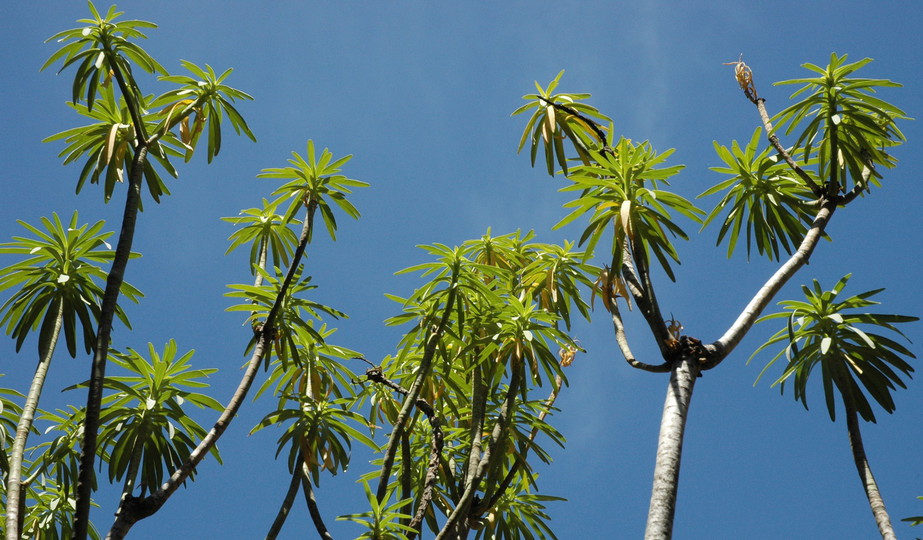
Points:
(669, 449)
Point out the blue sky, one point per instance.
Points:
(421, 93)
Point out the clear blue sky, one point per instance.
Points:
(421, 93)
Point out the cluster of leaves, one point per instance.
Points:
(60, 272)
(558, 117)
(763, 193)
(848, 128)
(145, 429)
(130, 127)
(490, 314)
(826, 331)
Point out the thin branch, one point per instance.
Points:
(622, 339)
(643, 292)
(720, 349)
(432, 470)
(458, 519)
(14, 486)
(479, 396)
(375, 374)
(85, 480)
(774, 141)
(869, 485)
(133, 509)
(288, 501)
(411, 397)
(406, 478)
(312, 503)
(523, 451)
(131, 97)
(857, 189)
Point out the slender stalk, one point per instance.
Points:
(312, 502)
(133, 509)
(457, 524)
(523, 450)
(478, 407)
(774, 141)
(432, 469)
(622, 339)
(721, 348)
(429, 483)
(670, 448)
(264, 250)
(411, 399)
(876, 503)
(639, 285)
(14, 484)
(288, 501)
(86, 476)
(406, 477)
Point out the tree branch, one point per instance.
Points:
(288, 501)
(85, 480)
(622, 339)
(774, 141)
(458, 519)
(375, 375)
(14, 485)
(134, 509)
(642, 290)
(414, 392)
(870, 486)
(720, 349)
(312, 503)
(857, 189)
(523, 452)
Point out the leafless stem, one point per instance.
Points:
(720, 349)
(774, 141)
(288, 501)
(622, 339)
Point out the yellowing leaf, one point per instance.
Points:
(110, 141)
(625, 214)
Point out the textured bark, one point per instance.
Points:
(14, 485)
(876, 503)
(670, 448)
(432, 469)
